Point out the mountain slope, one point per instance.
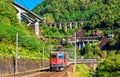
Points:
(28, 44)
(99, 12)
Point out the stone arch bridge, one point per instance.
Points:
(65, 25)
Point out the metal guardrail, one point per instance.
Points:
(79, 61)
(28, 11)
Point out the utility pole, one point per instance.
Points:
(16, 60)
(75, 54)
(43, 58)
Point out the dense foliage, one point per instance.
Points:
(110, 67)
(98, 12)
(55, 32)
(92, 51)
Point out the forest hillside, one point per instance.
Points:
(100, 14)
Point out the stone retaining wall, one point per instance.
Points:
(7, 65)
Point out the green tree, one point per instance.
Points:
(91, 51)
(110, 67)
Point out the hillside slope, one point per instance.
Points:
(28, 44)
(105, 12)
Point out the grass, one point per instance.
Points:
(84, 71)
(10, 50)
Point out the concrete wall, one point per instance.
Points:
(7, 65)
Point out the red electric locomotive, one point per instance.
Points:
(57, 60)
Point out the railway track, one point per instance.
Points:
(103, 43)
(45, 73)
(22, 74)
(49, 73)
(64, 73)
(78, 34)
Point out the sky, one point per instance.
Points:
(29, 4)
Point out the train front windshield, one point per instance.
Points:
(53, 55)
(60, 56)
